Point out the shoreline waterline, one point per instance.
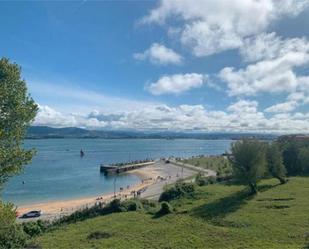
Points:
(148, 176)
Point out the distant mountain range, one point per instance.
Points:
(40, 132)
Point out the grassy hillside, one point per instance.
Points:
(217, 163)
(218, 216)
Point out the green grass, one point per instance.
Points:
(218, 216)
(217, 163)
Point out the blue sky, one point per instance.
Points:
(214, 65)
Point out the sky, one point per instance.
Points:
(198, 66)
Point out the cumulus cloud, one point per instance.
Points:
(282, 107)
(160, 55)
(176, 84)
(212, 26)
(243, 106)
(241, 116)
(273, 75)
(267, 46)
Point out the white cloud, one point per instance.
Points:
(267, 46)
(282, 107)
(160, 55)
(273, 75)
(242, 116)
(243, 106)
(176, 84)
(212, 26)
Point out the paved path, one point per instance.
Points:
(207, 172)
(171, 173)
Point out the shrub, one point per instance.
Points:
(186, 188)
(34, 228)
(12, 235)
(180, 189)
(131, 205)
(166, 208)
(212, 179)
(200, 180)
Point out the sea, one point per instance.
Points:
(58, 172)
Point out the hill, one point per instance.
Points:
(41, 132)
(216, 216)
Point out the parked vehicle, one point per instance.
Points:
(32, 214)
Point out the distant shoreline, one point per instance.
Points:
(45, 132)
(130, 138)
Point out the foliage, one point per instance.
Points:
(11, 234)
(219, 216)
(249, 162)
(291, 147)
(275, 162)
(219, 164)
(179, 189)
(166, 208)
(290, 158)
(201, 180)
(17, 110)
(303, 157)
(35, 228)
(131, 205)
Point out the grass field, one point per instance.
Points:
(218, 216)
(217, 163)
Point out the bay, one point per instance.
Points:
(57, 171)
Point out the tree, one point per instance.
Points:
(275, 162)
(17, 110)
(303, 157)
(11, 234)
(290, 158)
(248, 162)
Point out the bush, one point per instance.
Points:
(131, 205)
(200, 180)
(12, 235)
(115, 206)
(166, 208)
(186, 188)
(212, 179)
(34, 228)
(180, 189)
(149, 206)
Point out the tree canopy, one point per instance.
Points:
(275, 162)
(248, 162)
(17, 110)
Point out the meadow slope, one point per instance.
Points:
(217, 216)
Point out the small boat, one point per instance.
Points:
(82, 153)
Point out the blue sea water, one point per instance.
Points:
(58, 172)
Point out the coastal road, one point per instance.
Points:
(207, 172)
(168, 173)
(171, 173)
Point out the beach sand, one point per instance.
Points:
(147, 175)
(149, 182)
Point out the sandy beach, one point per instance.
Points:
(148, 175)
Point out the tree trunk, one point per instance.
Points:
(253, 188)
(282, 180)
